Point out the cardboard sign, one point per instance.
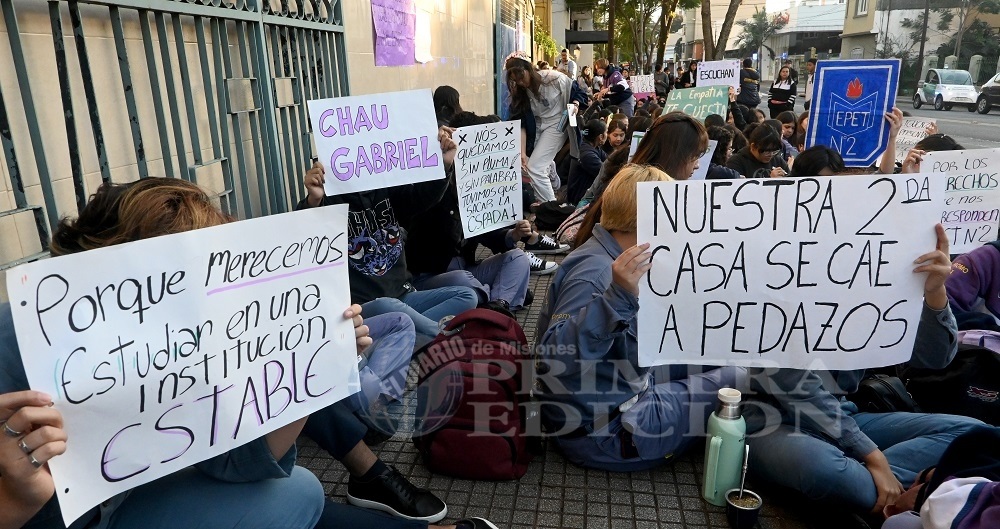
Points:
(642, 86)
(719, 73)
(395, 23)
(488, 176)
(699, 102)
(636, 138)
(912, 131)
(375, 141)
(168, 351)
(972, 205)
(795, 273)
(706, 159)
(849, 102)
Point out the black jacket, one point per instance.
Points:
(749, 88)
(375, 221)
(744, 163)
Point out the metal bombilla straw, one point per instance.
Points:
(743, 478)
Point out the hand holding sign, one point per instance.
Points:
(937, 265)
(31, 414)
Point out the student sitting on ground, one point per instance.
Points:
(833, 454)
(592, 156)
(256, 485)
(605, 411)
(380, 281)
(763, 157)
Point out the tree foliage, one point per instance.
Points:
(756, 30)
(546, 44)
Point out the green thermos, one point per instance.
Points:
(724, 448)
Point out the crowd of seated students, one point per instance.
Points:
(410, 266)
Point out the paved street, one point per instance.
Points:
(970, 129)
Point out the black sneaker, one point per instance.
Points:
(392, 493)
(546, 245)
(539, 266)
(475, 523)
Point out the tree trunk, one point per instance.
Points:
(661, 39)
(727, 27)
(707, 39)
(612, 7)
(962, 15)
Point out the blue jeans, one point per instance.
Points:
(820, 470)
(666, 419)
(425, 308)
(502, 276)
(387, 358)
(341, 515)
(191, 499)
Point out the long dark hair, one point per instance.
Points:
(671, 142)
(813, 160)
(514, 68)
(446, 103)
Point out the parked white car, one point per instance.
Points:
(944, 88)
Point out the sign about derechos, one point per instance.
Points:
(168, 351)
(375, 141)
(912, 131)
(971, 210)
(488, 176)
(699, 102)
(719, 73)
(795, 273)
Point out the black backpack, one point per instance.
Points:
(549, 215)
(969, 386)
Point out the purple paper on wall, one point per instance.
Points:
(395, 23)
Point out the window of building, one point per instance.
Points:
(862, 8)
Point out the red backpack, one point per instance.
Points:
(471, 405)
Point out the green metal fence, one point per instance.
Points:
(223, 88)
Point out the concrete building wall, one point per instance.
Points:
(462, 46)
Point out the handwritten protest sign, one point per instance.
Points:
(719, 73)
(375, 141)
(168, 351)
(699, 102)
(706, 159)
(488, 176)
(395, 24)
(795, 273)
(971, 210)
(849, 102)
(642, 86)
(912, 131)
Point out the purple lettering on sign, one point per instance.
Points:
(395, 23)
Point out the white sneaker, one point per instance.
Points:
(539, 266)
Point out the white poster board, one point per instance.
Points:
(168, 351)
(702, 171)
(719, 73)
(912, 131)
(971, 210)
(642, 85)
(377, 140)
(636, 138)
(488, 176)
(795, 273)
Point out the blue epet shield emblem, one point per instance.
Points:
(850, 99)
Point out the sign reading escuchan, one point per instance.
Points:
(377, 140)
(849, 102)
(165, 352)
(780, 272)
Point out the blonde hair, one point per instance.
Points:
(619, 203)
(602, 64)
